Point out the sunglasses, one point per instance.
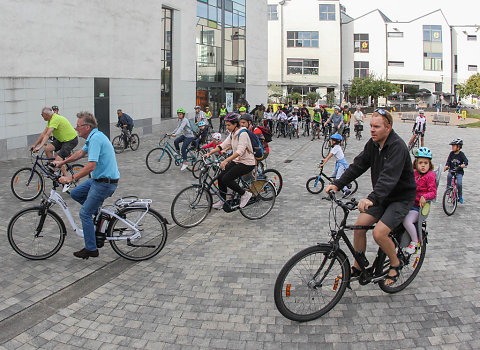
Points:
(383, 113)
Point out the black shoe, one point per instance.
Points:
(85, 254)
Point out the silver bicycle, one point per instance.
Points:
(135, 231)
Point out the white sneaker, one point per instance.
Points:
(245, 198)
(184, 166)
(218, 205)
(411, 248)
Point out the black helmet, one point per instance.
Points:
(456, 141)
(54, 108)
(247, 117)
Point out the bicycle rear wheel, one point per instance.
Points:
(152, 228)
(191, 206)
(262, 201)
(75, 168)
(275, 177)
(24, 239)
(449, 201)
(326, 147)
(23, 187)
(309, 286)
(158, 160)
(134, 142)
(314, 186)
(118, 144)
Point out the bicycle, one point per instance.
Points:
(358, 131)
(135, 231)
(450, 196)
(415, 144)
(125, 140)
(306, 126)
(28, 183)
(193, 204)
(316, 184)
(327, 146)
(159, 159)
(314, 280)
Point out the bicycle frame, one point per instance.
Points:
(167, 147)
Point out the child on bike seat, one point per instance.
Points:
(456, 161)
(201, 136)
(217, 139)
(341, 164)
(426, 190)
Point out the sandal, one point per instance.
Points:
(393, 278)
(354, 273)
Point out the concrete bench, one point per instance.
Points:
(408, 117)
(441, 119)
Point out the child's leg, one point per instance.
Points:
(459, 184)
(409, 224)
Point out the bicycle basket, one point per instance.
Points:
(256, 186)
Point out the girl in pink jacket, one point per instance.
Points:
(426, 190)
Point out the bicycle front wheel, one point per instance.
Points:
(275, 177)
(414, 146)
(309, 285)
(449, 201)
(134, 142)
(326, 148)
(158, 160)
(315, 185)
(191, 206)
(26, 185)
(152, 228)
(197, 168)
(34, 235)
(118, 144)
(262, 201)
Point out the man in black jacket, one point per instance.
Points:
(393, 185)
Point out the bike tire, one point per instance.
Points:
(296, 294)
(415, 145)
(75, 168)
(326, 147)
(275, 177)
(449, 202)
(313, 186)
(158, 160)
(410, 269)
(153, 233)
(353, 187)
(22, 229)
(191, 206)
(197, 168)
(25, 189)
(134, 142)
(344, 144)
(118, 144)
(262, 201)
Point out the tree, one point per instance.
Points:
(312, 97)
(471, 87)
(275, 93)
(372, 86)
(330, 98)
(295, 96)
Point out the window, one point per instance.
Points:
(360, 43)
(272, 13)
(396, 63)
(472, 67)
(432, 48)
(302, 66)
(360, 69)
(327, 12)
(471, 37)
(395, 34)
(302, 39)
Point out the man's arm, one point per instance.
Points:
(42, 139)
(77, 155)
(87, 169)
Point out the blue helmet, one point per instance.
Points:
(423, 152)
(337, 137)
(201, 123)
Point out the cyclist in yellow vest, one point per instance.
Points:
(222, 114)
(64, 136)
(208, 114)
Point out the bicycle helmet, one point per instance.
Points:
(232, 118)
(242, 109)
(421, 111)
(54, 108)
(181, 110)
(337, 137)
(246, 116)
(196, 107)
(423, 152)
(217, 136)
(202, 123)
(337, 108)
(456, 141)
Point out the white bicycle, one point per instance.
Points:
(135, 231)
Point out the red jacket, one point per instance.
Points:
(426, 186)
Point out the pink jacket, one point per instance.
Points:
(426, 186)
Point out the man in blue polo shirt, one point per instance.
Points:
(91, 193)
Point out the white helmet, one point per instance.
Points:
(217, 136)
(421, 111)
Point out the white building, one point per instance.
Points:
(137, 56)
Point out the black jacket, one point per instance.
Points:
(391, 171)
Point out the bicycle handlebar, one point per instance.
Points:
(348, 206)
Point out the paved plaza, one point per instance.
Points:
(212, 286)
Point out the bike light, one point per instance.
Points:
(416, 261)
(288, 290)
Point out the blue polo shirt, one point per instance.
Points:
(100, 150)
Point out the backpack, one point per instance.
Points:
(193, 126)
(267, 134)
(257, 147)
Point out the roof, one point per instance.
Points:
(382, 15)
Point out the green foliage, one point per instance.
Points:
(471, 87)
(330, 98)
(312, 97)
(371, 86)
(294, 97)
(275, 93)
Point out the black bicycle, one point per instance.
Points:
(358, 131)
(327, 146)
(28, 183)
(415, 144)
(316, 184)
(313, 281)
(125, 140)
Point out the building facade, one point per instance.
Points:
(101, 56)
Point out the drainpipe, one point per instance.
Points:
(282, 52)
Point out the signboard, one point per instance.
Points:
(229, 101)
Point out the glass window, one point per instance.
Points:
(272, 12)
(395, 34)
(302, 66)
(360, 43)
(302, 39)
(229, 5)
(166, 65)
(432, 33)
(396, 63)
(212, 13)
(432, 48)
(361, 69)
(327, 12)
(202, 9)
(471, 37)
(472, 67)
